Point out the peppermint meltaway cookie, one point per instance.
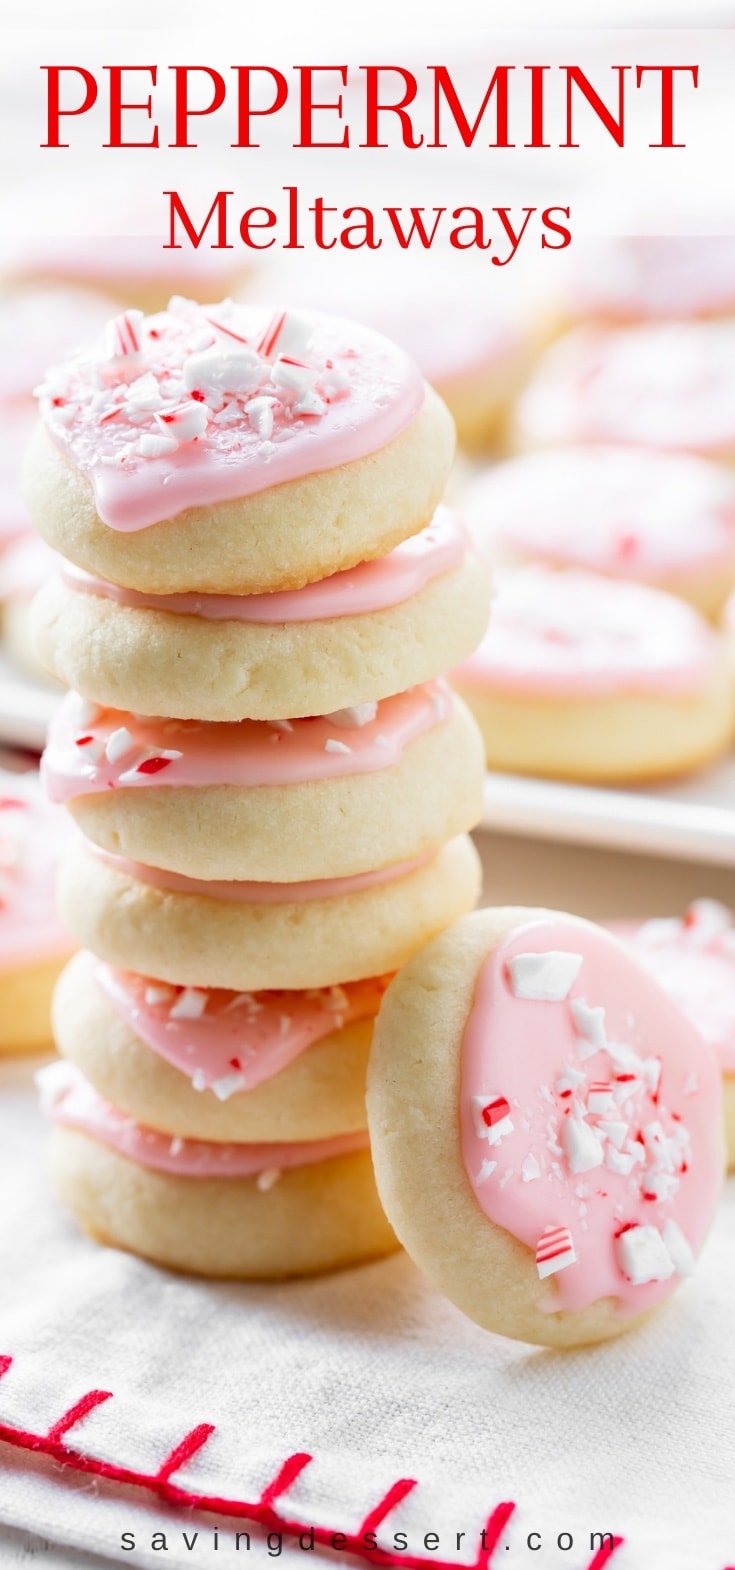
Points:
(358, 636)
(583, 678)
(25, 566)
(646, 278)
(133, 267)
(693, 959)
(34, 943)
(283, 801)
(670, 385)
(546, 1126)
(214, 1208)
(230, 449)
(244, 934)
(666, 519)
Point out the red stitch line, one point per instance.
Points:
(494, 1529)
(291, 1469)
(390, 1501)
(604, 1554)
(5, 1364)
(76, 1412)
(190, 1444)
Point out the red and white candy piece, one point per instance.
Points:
(643, 1256)
(545, 977)
(187, 421)
(554, 1251)
(123, 335)
(492, 1118)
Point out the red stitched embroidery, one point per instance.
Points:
(260, 1511)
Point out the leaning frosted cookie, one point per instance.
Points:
(667, 519)
(356, 637)
(228, 450)
(34, 943)
(240, 1210)
(203, 1063)
(282, 802)
(545, 1126)
(585, 679)
(670, 386)
(244, 934)
(693, 959)
(644, 278)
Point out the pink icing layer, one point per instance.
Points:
(625, 511)
(229, 1042)
(540, 1064)
(73, 1103)
(656, 276)
(248, 893)
(693, 959)
(576, 635)
(671, 386)
(250, 753)
(32, 836)
(372, 586)
(205, 404)
(37, 327)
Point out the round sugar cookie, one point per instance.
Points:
(545, 1126)
(647, 278)
(583, 678)
(16, 425)
(670, 386)
(244, 935)
(249, 1067)
(354, 638)
(131, 268)
(248, 1212)
(693, 959)
(666, 519)
(282, 802)
(34, 943)
(233, 450)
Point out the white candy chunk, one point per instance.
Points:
(154, 995)
(349, 719)
(623, 1089)
(659, 1185)
(680, 1253)
(571, 1079)
(658, 1148)
(613, 1130)
(282, 725)
(620, 1162)
(199, 1080)
(290, 377)
(150, 446)
(260, 414)
(143, 395)
(266, 1179)
(228, 1086)
(589, 1024)
(486, 1171)
(119, 743)
(185, 422)
(85, 713)
(189, 1005)
(52, 1083)
(581, 1146)
(332, 745)
(545, 978)
(706, 920)
(530, 1169)
(652, 1074)
(176, 1146)
(492, 1119)
(310, 403)
(660, 930)
(224, 369)
(642, 1255)
(692, 1085)
(600, 1100)
(296, 333)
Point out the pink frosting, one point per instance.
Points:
(37, 327)
(693, 959)
(248, 893)
(589, 1105)
(229, 1042)
(572, 634)
(625, 511)
(115, 259)
(73, 1103)
(25, 567)
(15, 428)
(32, 837)
(90, 750)
(205, 404)
(656, 276)
(372, 586)
(670, 385)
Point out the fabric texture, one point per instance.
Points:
(142, 1391)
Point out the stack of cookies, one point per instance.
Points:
(258, 594)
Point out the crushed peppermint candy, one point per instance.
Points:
(544, 978)
(554, 1251)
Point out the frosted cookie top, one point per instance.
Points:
(636, 277)
(624, 511)
(693, 959)
(589, 1116)
(670, 385)
(32, 836)
(204, 404)
(573, 634)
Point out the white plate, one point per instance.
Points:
(694, 819)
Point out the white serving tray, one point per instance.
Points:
(694, 819)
